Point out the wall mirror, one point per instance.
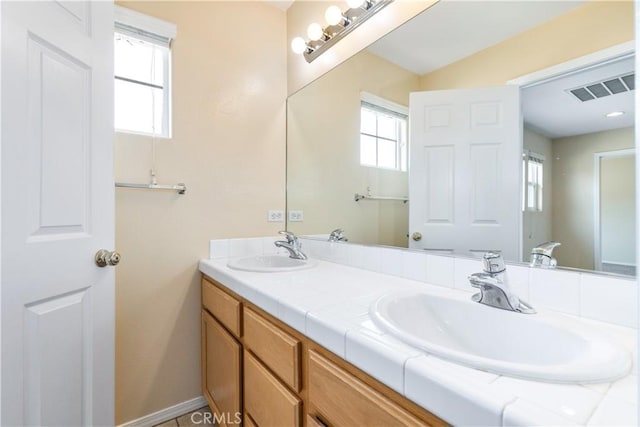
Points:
(349, 141)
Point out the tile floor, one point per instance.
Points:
(187, 420)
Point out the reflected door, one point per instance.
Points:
(57, 212)
(615, 228)
(464, 175)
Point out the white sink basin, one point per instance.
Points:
(270, 263)
(545, 346)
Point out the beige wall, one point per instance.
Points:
(536, 226)
(323, 152)
(588, 28)
(573, 192)
(302, 13)
(228, 146)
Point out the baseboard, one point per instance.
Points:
(167, 414)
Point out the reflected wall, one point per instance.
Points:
(323, 154)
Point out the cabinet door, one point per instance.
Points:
(339, 399)
(221, 370)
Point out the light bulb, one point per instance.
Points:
(333, 15)
(314, 31)
(353, 4)
(298, 45)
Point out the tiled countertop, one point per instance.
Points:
(329, 304)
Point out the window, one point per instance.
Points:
(142, 68)
(383, 133)
(533, 179)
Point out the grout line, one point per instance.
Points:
(595, 407)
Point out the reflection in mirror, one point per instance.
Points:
(345, 132)
(579, 168)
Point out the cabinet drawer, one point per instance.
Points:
(340, 399)
(223, 306)
(275, 348)
(267, 401)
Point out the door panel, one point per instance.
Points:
(58, 136)
(55, 348)
(57, 211)
(465, 152)
(439, 169)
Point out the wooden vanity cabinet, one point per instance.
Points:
(277, 377)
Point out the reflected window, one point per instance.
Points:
(383, 133)
(142, 86)
(533, 167)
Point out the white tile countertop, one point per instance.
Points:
(329, 303)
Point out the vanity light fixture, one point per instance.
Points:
(615, 114)
(339, 25)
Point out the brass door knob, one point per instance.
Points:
(105, 257)
(416, 236)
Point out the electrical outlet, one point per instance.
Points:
(275, 216)
(296, 216)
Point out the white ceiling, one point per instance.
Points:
(454, 29)
(551, 110)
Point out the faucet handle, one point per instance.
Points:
(336, 235)
(541, 255)
(291, 238)
(483, 281)
(493, 262)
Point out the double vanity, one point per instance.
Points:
(289, 341)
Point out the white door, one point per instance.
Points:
(57, 211)
(464, 174)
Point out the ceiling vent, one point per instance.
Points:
(604, 88)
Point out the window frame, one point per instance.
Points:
(160, 33)
(538, 186)
(380, 105)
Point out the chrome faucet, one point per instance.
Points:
(292, 244)
(494, 289)
(541, 255)
(337, 235)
